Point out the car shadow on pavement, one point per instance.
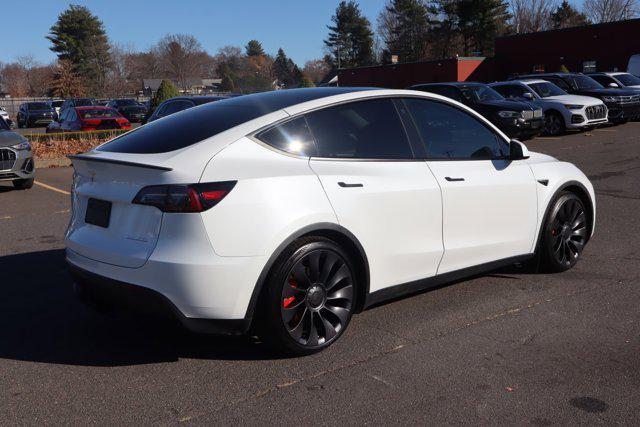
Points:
(41, 320)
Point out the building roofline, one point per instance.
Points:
(458, 58)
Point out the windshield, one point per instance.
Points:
(478, 93)
(126, 103)
(546, 89)
(628, 79)
(98, 113)
(33, 106)
(584, 82)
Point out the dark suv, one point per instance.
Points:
(623, 104)
(518, 119)
(174, 105)
(129, 108)
(34, 114)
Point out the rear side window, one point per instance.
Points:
(361, 130)
(450, 133)
(293, 137)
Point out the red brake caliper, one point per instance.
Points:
(288, 301)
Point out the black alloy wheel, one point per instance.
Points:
(565, 234)
(312, 296)
(553, 123)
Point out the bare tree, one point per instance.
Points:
(610, 10)
(182, 57)
(530, 16)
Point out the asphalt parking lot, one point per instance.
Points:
(509, 347)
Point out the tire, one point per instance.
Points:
(23, 184)
(564, 233)
(309, 297)
(554, 124)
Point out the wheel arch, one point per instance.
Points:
(332, 231)
(579, 190)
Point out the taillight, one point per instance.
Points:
(184, 197)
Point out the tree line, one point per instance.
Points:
(89, 64)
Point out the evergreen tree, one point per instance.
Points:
(566, 16)
(480, 22)
(167, 90)
(286, 71)
(404, 26)
(65, 83)
(78, 36)
(350, 40)
(254, 48)
(444, 36)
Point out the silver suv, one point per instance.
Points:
(16, 159)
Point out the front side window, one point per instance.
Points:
(293, 137)
(450, 133)
(368, 129)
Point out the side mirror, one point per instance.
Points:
(528, 96)
(614, 85)
(517, 150)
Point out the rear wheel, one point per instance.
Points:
(553, 123)
(310, 297)
(564, 234)
(23, 184)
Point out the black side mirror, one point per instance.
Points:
(517, 150)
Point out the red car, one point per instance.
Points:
(89, 118)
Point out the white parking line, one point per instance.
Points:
(49, 187)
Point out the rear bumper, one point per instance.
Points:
(114, 295)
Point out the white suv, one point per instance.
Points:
(561, 110)
(291, 210)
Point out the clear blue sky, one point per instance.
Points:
(297, 26)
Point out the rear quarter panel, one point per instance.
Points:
(275, 196)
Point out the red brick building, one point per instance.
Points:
(601, 47)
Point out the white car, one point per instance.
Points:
(5, 116)
(291, 210)
(561, 110)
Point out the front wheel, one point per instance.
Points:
(553, 124)
(310, 297)
(564, 234)
(23, 184)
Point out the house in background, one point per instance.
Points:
(194, 86)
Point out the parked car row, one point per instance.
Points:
(551, 103)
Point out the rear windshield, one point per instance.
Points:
(34, 106)
(196, 124)
(98, 113)
(126, 102)
(83, 102)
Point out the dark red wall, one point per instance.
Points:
(610, 45)
(400, 76)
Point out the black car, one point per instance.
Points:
(76, 102)
(174, 105)
(518, 119)
(34, 114)
(134, 111)
(623, 104)
(617, 79)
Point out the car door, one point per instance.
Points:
(378, 189)
(489, 204)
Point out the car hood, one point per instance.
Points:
(505, 104)
(574, 99)
(609, 92)
(8, 138)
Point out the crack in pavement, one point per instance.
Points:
(411, 343)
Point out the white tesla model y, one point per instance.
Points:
(291, 210)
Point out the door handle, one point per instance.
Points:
(345, 185)
(448, 178)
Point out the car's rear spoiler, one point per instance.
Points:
(116, 162)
